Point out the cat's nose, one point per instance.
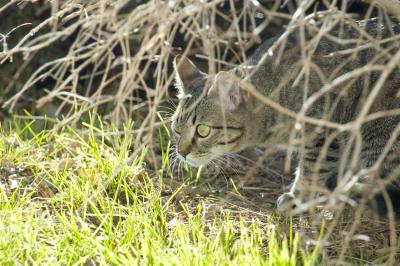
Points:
(184, 149)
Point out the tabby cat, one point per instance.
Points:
(305, 102)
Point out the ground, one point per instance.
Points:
(73, 197)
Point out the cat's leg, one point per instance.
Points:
(308, 190)
(286, 202)
(382, 185)
(379, 174)
(315, 175)
(389, 174)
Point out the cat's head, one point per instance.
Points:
(210, 119)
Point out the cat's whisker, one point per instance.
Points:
(218, 163)
(222, 162)
(179, 167)
(218, 168)
(229, 166)
(173, 167)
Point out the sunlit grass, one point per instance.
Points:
(72, 198)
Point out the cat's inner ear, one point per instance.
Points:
(227, 86)
(186, 72)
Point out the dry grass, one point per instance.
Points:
(115, 58)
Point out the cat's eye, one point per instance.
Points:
(203, 130)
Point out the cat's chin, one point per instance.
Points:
(198, 162)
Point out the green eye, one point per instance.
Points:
(203, 130)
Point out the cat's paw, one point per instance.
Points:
(286, 203)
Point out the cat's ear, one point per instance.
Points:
(185, 71)
(227, 86)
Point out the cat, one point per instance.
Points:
(263, 102)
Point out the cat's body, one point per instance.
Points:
(219, 115)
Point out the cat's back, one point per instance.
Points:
(364, 37)
(348, 58)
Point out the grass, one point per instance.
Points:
(71, 198)
(95, 198)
